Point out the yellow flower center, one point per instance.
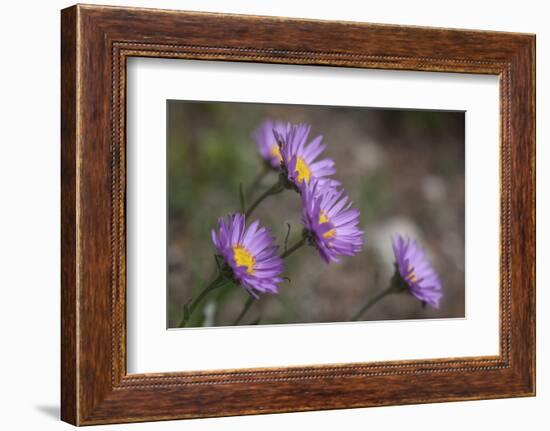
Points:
(303, 170)
(276, 152)
(411, 276)
(324, 219)
(244, 258)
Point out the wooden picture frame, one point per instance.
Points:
(96, 41)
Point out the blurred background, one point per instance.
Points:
(403, 169)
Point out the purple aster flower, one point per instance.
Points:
(330, 222)
(416, 272)
(299, 159)
(267, 144)
(250, 253)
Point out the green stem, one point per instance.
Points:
(245, 309)
(217, 282)
(373, 301)
(257, 180)
(292, 249)
(273, 190)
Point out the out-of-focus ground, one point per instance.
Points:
(403, 169)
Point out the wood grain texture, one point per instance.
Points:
(96, 41)
(69, 331)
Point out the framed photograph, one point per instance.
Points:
(268, 215)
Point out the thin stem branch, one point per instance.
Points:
(287, 236)
(292, 249)
(257, 180)
(245, 309)
(273, 190)
(373, 301)
(217, 282)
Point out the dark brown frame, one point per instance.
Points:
(95, 43)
